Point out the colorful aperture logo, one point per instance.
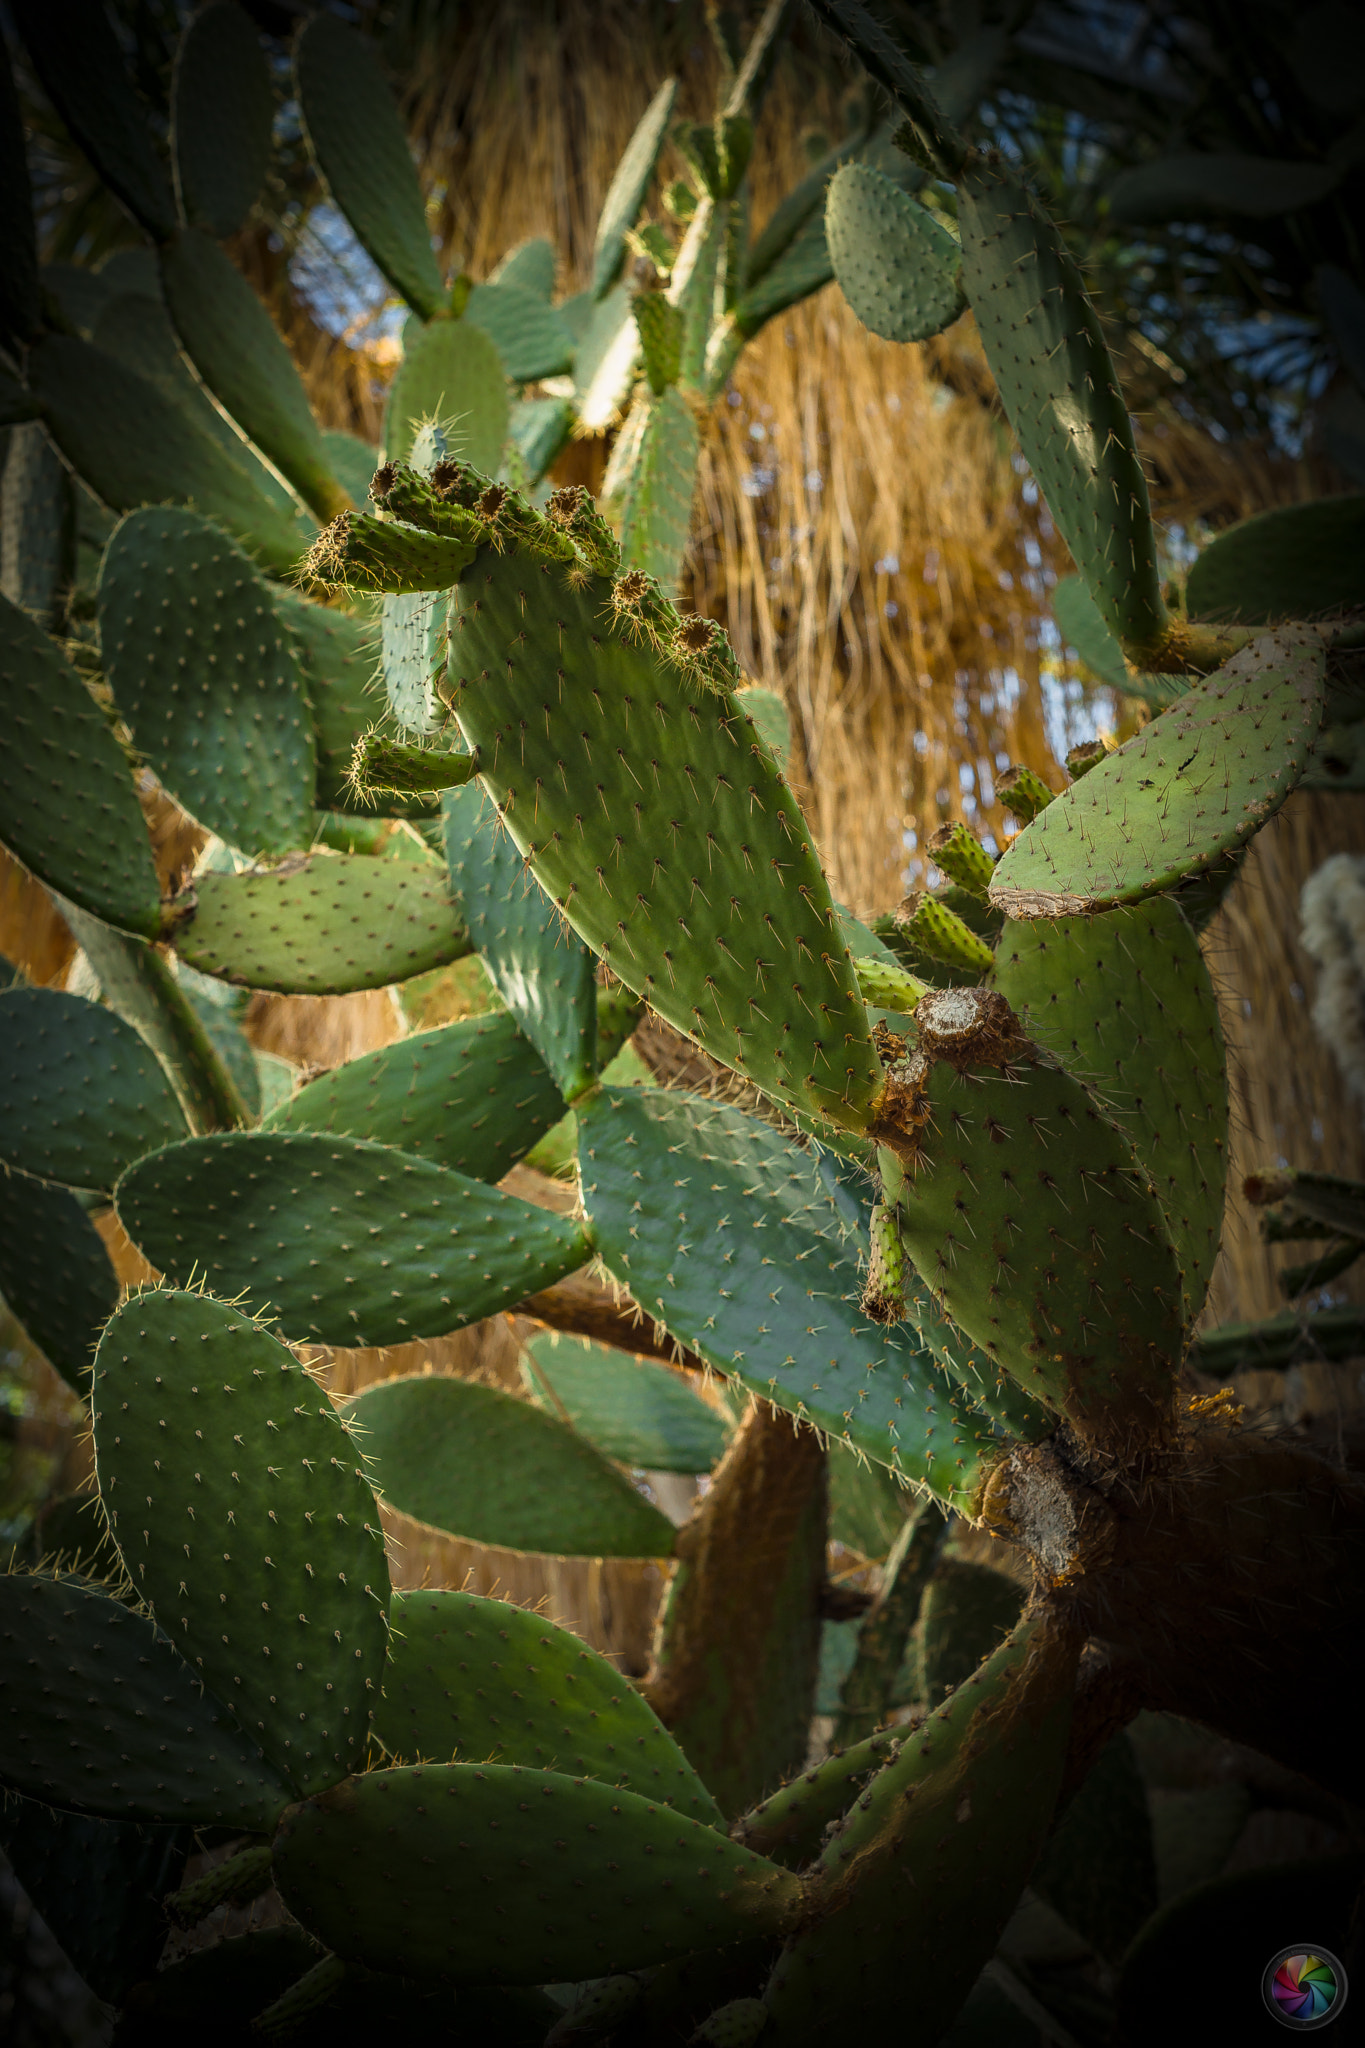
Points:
(1304, 1987)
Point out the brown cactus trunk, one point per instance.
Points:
(738, 1646)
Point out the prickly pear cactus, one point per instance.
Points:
(942, 1235)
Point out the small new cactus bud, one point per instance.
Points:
(457, 483)
(962, 857)
(884, 1289)
(1084, 757)
(1023, 792)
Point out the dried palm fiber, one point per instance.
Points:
(1290, 1102)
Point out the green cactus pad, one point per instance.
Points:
(55, 1274)
(80, 64)
(482, 1465)
(1047, 354)
(102, 1716)
(385, 556)
(472, 1095)
(233, 343)
(656, 497)
(626, 193)
(207, 678)
(352, 461)
(382, 767)
(691, 874)
(542, 970)
(222, 115)
(966, 1610)
(633, 1409)
(134, 446)
(962, 857)
(1077, 1298)
(899, 270)
(412, 650)
(337, 652)
(349, 1243)
(37, 524)
(935, 928)
(1297, 561)
(136, 328)
(1191, 786)
(81, 1095)
(531, 265)
(633, 1883)
(661, 338)
(539, 429)
(530, 337)
(1082, 627)
(1023, 793)
(888, 986)
(358, 143)
(1126, 1001)
(98, 1885)
(450, 372)
(474, 1680)
(605, 362)
(944, 1838)
(235, 1495)
(666, 1174)
(322, 924)
(790, 1824)
(68, 808)
(1329, 1199)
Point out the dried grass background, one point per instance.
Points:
(867, 535)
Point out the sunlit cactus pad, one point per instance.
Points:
(322, 924)
(1196, 782)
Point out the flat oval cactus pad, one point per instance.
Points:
(1191, 786)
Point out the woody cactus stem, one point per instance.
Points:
(737, 1651)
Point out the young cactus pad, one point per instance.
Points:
(497, 1875)
(477, 1679)
(1191, 786)
(236, 1498)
